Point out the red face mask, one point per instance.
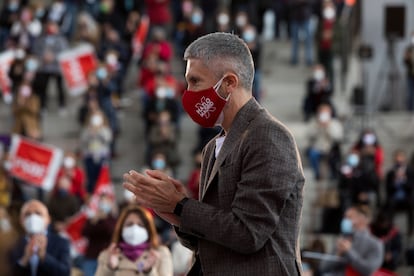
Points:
(204, 106)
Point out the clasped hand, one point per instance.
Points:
(37, 244)
(155, 190)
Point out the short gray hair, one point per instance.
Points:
(222, 52)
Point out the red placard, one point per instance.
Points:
(35, 163)
(76, 64)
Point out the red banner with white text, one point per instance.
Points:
(35, 163)
(76, 64)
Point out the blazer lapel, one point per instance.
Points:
(210, 163)
(240, 123)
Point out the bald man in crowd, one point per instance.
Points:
(40, 252)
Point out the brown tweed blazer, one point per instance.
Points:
(247, 221)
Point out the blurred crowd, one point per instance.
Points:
(122, 236)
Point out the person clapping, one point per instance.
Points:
(135, 248)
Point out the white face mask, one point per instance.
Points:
(69, 162)
(19, 54)
(7, 165)
(223, 19)
(324, 117)
(5, 225)
(161, 92)
(369, 139)
(96, 120)
(329, 13)
(134, 234)
(319, 75)
(34, 224)
(111, 59)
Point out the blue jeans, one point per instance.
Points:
(315, 156)
(89, 267)
(92, 172)
(306, 28)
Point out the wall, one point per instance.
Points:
(375, 73)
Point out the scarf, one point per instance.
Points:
(133, 252)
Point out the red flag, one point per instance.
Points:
(6, 58)
(104, 182)
(76, 224)
(140, 36)
(74, 233)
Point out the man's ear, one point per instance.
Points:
(230, 82)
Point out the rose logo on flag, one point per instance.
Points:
(205, 107)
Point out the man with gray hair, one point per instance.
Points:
(246, 220)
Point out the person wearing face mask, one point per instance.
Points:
(399, 183)
(95, 146)
(325, 37)
(106, 89)
(135, 248)
(165, 87)
(409, 65)
(247, 218)
(371, 158)
(26, 112)
(325, 134)
(39, 252)
(163, 139)
(8, 237)
(71, 170)
(241, 20)
(47, 47)
(223, 21)
(194, 27)
(370, 150)
(348, 182)
(318, 91)
(358, 182)
(159, 162)
(361, 252)
(98, 230)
